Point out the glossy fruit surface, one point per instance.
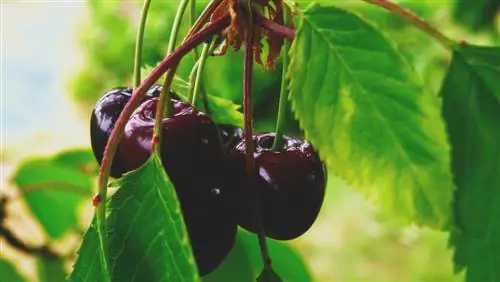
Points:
(290, 184)
(230, 136)
(103, 118)
(192, 156)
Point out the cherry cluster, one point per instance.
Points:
(206, 163)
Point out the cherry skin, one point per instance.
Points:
(192, 156)
(103, 118)
(230, 136)
(290, 185)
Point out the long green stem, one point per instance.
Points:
(138, 43)
(181, 9)
(192, 15)
(191, 81)
(199, 73)
(412, 18)
(117, 132)
(164, 107)
(281, 121)
(204, 18)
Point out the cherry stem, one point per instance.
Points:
(204, 17)
(277, 28)
(412, 18)
(117, 133)
(192, 78)
(164, 105)
(282, 107)
(192, 15)
(138, 43)
(250, 148)
(199, 73)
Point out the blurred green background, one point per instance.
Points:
(58, 58)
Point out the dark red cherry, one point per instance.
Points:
(290, 184)
(104, 116)
(192, 156)
(230, 136)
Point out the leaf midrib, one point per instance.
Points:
(370, 102)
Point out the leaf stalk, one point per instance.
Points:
(412, 18)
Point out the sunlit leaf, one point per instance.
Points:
(78, 159)
(53, 192)
(8, 272)
(362, 105)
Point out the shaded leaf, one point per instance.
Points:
(8, 272)
(471, 107)
(362, 105)
(244, 263)
(51, 270)
(147, 236)
(53, 193)
(238, 265)
(477, 14)
(269, 276)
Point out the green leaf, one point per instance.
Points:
(237, 266)
(477, 14)
(471, 107)
(53, 192)
(8, 272)
(244, 263)
(269, 276)
(223, 111)
(79, 159)
(147, 236)
(51, 270)
(287, 262)
(362, 105)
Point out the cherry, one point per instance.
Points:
(230, 136)
(102, 121)
(193, 158)
(290, 184)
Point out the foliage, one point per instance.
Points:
(384, 135)
(147, 236)
(477, 15)
(362, 87)
(60, 183)
(471, 107)
(8, 272)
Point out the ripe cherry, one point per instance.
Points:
(230, 136)
(102, 121)
(192, 156)
(290, 184)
